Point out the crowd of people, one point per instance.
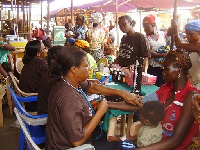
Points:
(59, 74)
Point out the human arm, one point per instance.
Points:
(7, 47)
(196, 107)
(181, 129)
(191, 47)
(91, 125)
(128, 97)
(3, 72)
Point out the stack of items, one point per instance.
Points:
(148, 79)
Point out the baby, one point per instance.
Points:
(151, 115)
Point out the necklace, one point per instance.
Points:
(85, 96)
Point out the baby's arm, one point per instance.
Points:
(132, 138)
(113, 139)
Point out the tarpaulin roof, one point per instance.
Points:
(127, 5)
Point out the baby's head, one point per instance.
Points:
(151, 113)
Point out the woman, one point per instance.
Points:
(79, 29)
(156, 39)
(192, 30)
(70, 122)
(176, 95)
(32, 70)
(133, 44)
(70, 118)
(96, 37)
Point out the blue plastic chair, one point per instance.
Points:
(32, 122)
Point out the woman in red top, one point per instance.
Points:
(176, 96)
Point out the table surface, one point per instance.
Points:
(145, 89)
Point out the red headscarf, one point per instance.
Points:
(150, 19)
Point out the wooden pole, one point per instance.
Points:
(41, 14)
(117, 27)
(175, 18)
(72, 19)
(48, 17)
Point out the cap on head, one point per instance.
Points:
(150, 19)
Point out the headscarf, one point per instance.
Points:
(193, 25)
(97, 17)
(81, 17)
(150, 19)
(82, 44)
(71, 41)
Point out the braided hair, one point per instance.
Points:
(181, 59)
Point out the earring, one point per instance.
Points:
(179, 75)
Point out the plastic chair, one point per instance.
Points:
(19, 92)
(19, 65)
(32, 122)
(27, 135)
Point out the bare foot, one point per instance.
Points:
(113, 139)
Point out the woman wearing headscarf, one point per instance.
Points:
(79, 29)
(156, 39)
(96, 37)
(192, 30)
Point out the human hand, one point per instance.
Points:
(94, 104)
(131, 98)
(103, 106)
(196, 107)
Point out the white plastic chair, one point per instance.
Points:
(29, 140)
(19, 65)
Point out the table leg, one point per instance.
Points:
(123, 121)
(112, 126)
(130, 121)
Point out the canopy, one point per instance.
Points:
(127, 5)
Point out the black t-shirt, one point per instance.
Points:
(131, 48)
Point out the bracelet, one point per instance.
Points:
(2, 45)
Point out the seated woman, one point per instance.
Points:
(176, 95)
(71, 120)
(32, 70)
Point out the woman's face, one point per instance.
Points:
(170, 71)
(83, 70)
(148, 28)
(124, 25)
(79, 22)
(192, 36)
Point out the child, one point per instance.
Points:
(109, 49)
(151, 115)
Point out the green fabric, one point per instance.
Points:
(145, 89)
(4, 54)
(91, 61)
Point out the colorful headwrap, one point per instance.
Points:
(81, 17)
(149, 19)
(71, 41)
(97, 17)
(82, 44)
(193, 25)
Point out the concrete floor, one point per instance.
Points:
(9, 136)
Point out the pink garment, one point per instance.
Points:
(173, 112)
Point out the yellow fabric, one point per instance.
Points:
(82, 43)
(91, 61)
